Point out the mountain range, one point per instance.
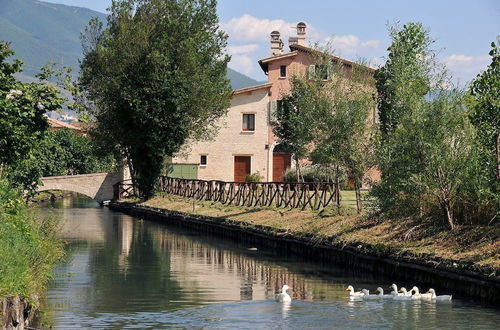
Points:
(42, 32)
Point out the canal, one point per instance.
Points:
(124, 273)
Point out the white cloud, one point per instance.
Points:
(350, 44)
(248, 28)
(464, 67)
(242, 63)
(242, 49)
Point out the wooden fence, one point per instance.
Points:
(277, 194)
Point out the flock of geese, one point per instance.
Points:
(402, 294)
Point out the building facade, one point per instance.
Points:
(245, 143)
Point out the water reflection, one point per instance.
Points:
(123, 272)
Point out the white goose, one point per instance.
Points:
(439, 298)
(283, 296)
(382, 295)
(395, 291)
(417, 295)
(352, 293)
(405, 295)
(368, 295)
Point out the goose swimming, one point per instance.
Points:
(382, 295)
(368, 295)
(395, 291)
(352, 293)
(405, 295)
(439, 298)
(283, 296)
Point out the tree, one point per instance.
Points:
(485, 115)
(430, 164)
(345, 123)
(58, 153)
(404, 79)
(22, 112)
(295, 118)
(157, 78)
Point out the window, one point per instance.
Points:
(203, 160)
(321, 71)
(282, 71)
(249, 122)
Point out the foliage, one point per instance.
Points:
(485, 115)
(405, 77)
(430, 165)
(156, 75)
(316, 173)
(60, 152)
(254, 177)
(29, 247)
(22, 110)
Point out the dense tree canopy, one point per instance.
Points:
(157, 78)
(485, 115)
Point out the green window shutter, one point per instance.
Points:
(273, 108)
(329, 72)
(312, 72)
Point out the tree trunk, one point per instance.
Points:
(132, 175)
(357, 187)
(337, 187)
(498, 156)
(448, 213)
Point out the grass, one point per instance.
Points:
(28, 246)
(478, 245)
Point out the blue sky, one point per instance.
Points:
(463, 29)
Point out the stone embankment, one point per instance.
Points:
(462, 280)
(15, 313)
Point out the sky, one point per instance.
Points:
(463, 29)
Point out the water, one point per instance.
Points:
(125, 273)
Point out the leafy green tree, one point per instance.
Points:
(485, 115)
(404, 79)
(294, 120)
(156, 76)
(60, 152)
(22, 110)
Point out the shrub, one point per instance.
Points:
(254, 177)
(315, 173)
(28, 246)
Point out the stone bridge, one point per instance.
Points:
(98, 186)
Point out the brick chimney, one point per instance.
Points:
(301, 34)
(276, 43)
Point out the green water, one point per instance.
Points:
(124, 273)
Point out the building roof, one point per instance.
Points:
(294, 49)
(252, 88)
(264, 62)
(54, 123)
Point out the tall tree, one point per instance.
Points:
(404, 79)
(157, 78)
(22, 113)
(485, 114)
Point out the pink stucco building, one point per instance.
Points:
(245, 143)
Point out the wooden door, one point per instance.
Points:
(281, 162)
(242, 167)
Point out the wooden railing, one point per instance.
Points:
(123, 189)
(277, 194)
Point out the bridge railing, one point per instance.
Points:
(277, 194)
(123, 189)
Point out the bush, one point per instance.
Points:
(29, 247)
(254, 177)
(315, 173)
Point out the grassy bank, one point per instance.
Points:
(28, 246)
(476, 245)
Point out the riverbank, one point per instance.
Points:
(461, 262)
(29, 248)
(49, 196)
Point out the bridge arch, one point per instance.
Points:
(98, 186)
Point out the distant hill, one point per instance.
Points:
(42, 32)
